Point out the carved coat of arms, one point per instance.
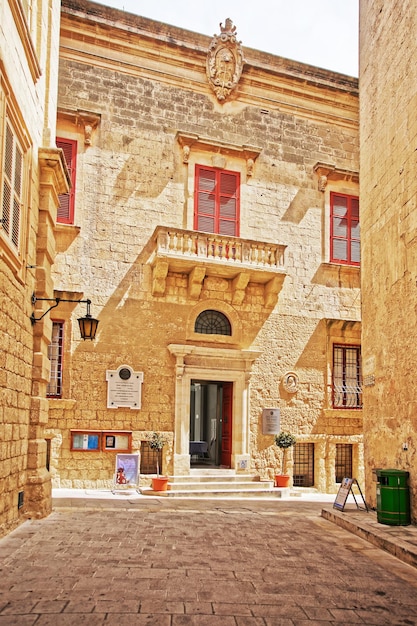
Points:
(224, 61)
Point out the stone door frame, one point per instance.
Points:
(214, 364)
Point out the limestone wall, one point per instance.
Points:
(388, 226)
(28, 91)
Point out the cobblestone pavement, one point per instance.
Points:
(160, 562)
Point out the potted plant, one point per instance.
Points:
(284, 440)
(156, 442)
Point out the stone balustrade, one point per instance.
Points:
(219, 248)
(201, 254)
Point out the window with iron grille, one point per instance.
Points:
(48, 453)
(211, 322)
(54, 387)
(216, 205)
(11, 175)
(347, 377)
(65, 213)
(343, 461)
(344, 229)
(303, 471)
(148, 457)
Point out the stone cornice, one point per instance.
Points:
(342, 325)
(113, 39)
(236, 359)
(327, 171)
(189, 141)
(51, 161)
(88, 120)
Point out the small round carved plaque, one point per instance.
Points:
(290, 382)
(124, 373)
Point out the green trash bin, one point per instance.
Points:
(393, 497)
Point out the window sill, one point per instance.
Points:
(65, 234)
(10, 258)
(61, 403)
(342, 413)
(339, 275)
(342, 267)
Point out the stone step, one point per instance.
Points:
(218, 484)
(218, 493)
(218, 478)
(214, 472)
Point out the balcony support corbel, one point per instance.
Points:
(195, 282)
(159, 274)
(272, 289)
(239, 284)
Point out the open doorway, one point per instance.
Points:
(210, 423)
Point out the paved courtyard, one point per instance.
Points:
(159, 562)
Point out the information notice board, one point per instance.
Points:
(346, 487)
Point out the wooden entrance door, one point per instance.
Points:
(226, 449)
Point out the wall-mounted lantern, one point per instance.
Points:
(88, 325)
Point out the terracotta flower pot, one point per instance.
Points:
(160, 483)
(282, 480)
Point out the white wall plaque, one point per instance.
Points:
(124, 388)
(270, 421)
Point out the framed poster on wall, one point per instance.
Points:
(87, 441)
(118, 441)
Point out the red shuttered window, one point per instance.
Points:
(344, 229)
(217, 199)
(67, 200)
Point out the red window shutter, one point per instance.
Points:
(67, 200)
(344, 229)
(229, 190)
(355, 232)
(205, 200)
(216, 208)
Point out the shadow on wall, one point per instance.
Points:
(302, 202)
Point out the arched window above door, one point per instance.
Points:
(210, 322)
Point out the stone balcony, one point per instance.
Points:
(198, 254)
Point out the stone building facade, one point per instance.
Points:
(213, 223)
(388, 223)
(194, 191)
(32, 174)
